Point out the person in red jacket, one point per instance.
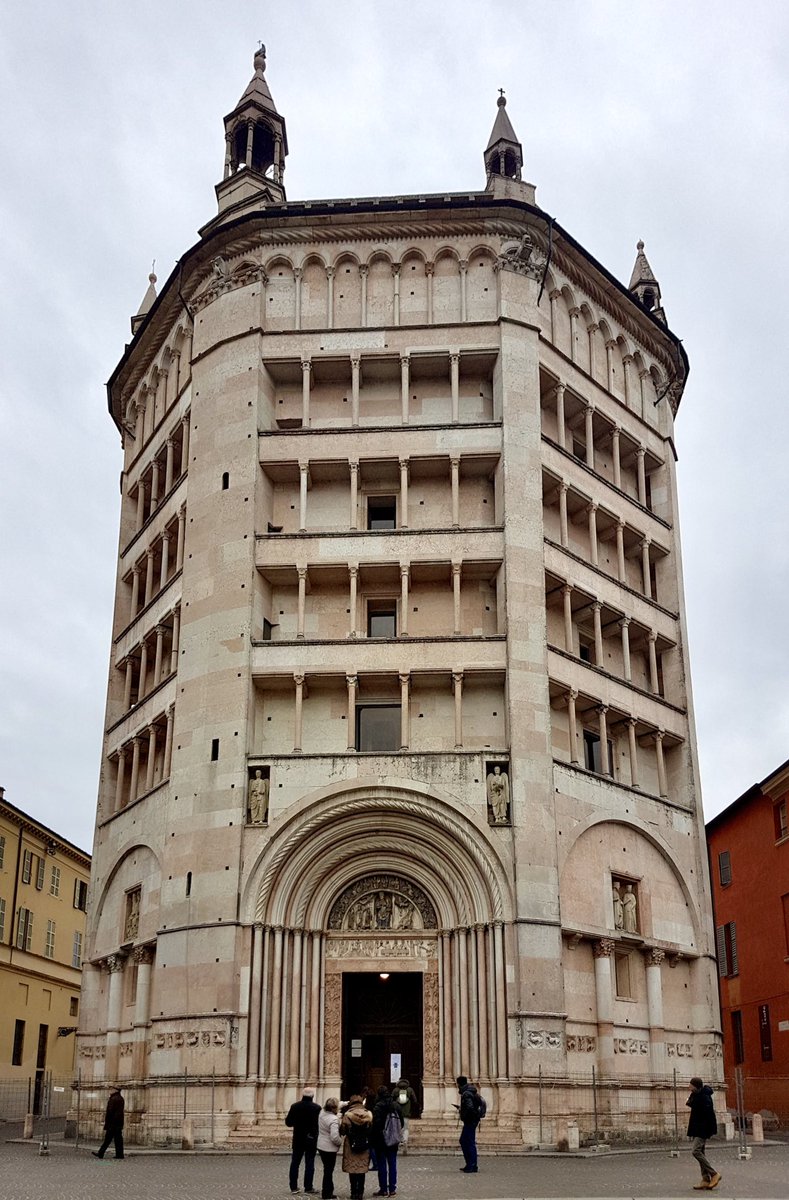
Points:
(113, 1124)
(702, 1125)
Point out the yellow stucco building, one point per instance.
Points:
(43, 895)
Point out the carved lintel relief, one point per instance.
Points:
(332, 1025)
(382, 901)
(679, 1050)
(583, 1043)
(431, 1023)
(174, 1040)
(538, 1039)
(712, 1050)
(375, 947)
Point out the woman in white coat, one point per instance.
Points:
(329, 1142)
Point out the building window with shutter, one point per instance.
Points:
(2, 920)
(76, 952)
(40, 869)
(49, 948)
(726, 942)
(24, 929)
(2, 851)
(781, 820)
(80, 894)
(737, 1039)
(724, 868)
(54, 883)
(27, 866)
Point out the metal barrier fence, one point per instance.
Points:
(155, 1114)
(767, 1095)
(45, 1097)
(607, 1110)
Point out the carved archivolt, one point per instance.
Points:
(383, 902)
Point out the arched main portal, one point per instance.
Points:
(377, 880)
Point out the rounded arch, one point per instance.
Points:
(446, 286)
(578, 854)
(136, 866)
(347, 297)
(413, 288)
(343, 831)
(447, 252)
(482, 302)
(380, 256)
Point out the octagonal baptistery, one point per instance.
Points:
(399, 770)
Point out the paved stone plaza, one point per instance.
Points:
(66, 1174)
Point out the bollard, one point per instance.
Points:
(187, 1134)
(28, 1130)
(757, 1127)
(728, 1127)
(573, 1136)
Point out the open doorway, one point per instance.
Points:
(381, 1017)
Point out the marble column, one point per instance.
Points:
(482, 976)
(500, 975)
(597, 609)
(306, 372)
(255, 987)
(403, 513)
(127, 684)
(355, 366)
(457, 687)
(396, 289)
(364, 271)
(168, 465)
(624, 625)
(404, 386)
(135, 770)
(602, 714)
(463, 265)
(615, 439)
(302, 601)
(176, 638)
(654, 678)
(457, 574)
(429, 272)
(609, 364)
(151, 765)
(354, 505)
(574, 315)
(621, 570)
(661, 764)
(140, 521)
(114, 966)
(561, 428)
(569, 637)
(405, 713)
(404, 577)
(185, 442)
(647, 579)
(304, 470)
(591, 510)
(641, 475)
(164, 566)
(352, 682)
(157, 662)
(264, 1004)
(330, 297)
(589, 429)
(276, 1005)
(632, 743)
(298, 274)
(148, 576)
(353, 575)
(298, 713)
(119, 779)
(603, 951)
(564, 535)
(168, 741)
(454, 381)
(657, 1032)
(154, 484)
(143, 957)
(572, 722)
(296, 1015)
(179, 551)
(142, 682)
(454, 464)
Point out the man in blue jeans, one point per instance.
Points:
(302, 1118)
(471, 1110)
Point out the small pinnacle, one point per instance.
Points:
(639, 245)
(502, 100)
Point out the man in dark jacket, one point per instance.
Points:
(702, 1125)
(113, 1124)
(470, 1113)
(302, 1118)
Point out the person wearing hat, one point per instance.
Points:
(113, 1124)
(302, 1118)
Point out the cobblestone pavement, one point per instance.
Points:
(69, 1174)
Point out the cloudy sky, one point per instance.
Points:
(661, 121)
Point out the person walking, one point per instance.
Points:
(302, 1118)
(329, 1142)
(702, 1125)
(113, 1124)
(405, 1096)
(356, 1124)
(471, 1110)
(387, 1132)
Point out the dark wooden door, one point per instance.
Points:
(381, 1017)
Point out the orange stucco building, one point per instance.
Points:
(749, 867)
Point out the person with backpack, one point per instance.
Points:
(356, 1125)
(405, 1096)
(471, 1110)
(387, 1132)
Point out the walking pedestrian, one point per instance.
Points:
(356, 1124)
(302, 1118)
(702, 1125)
(387, 1132)
(471, 1110)
(329, 1142)
(113, 1124)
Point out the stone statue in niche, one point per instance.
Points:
(132, 926)
(619, 911)
(383, 910)
(258, 798)
(630, 910)
(497, 786)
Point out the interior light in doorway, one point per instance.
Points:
(384, 975)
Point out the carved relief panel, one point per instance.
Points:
(382, 901)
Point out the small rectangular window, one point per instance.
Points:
(214, 749)
(40, 869)
(724, 868)
(378, 727)
(2, 852)
(80, 894)
(381, 512)
(19, 1044)
(765, 1033)
(49, 947)
(592, 756)
(624, 987)
(54, 883)
(737, 1038)
(726, 944)
(27, 865)
(76, 951)
(781, 822)
(381, 618)
(73, 1006)
(267, 630)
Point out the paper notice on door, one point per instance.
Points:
(394, 1067)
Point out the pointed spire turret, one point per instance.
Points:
(147, 302)
(644, 284)
(503, 153)
(256, 143)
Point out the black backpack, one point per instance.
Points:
(358, 1139)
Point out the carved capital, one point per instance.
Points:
(654, 957)
(603, 948)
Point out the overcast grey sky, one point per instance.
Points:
(662, 121)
